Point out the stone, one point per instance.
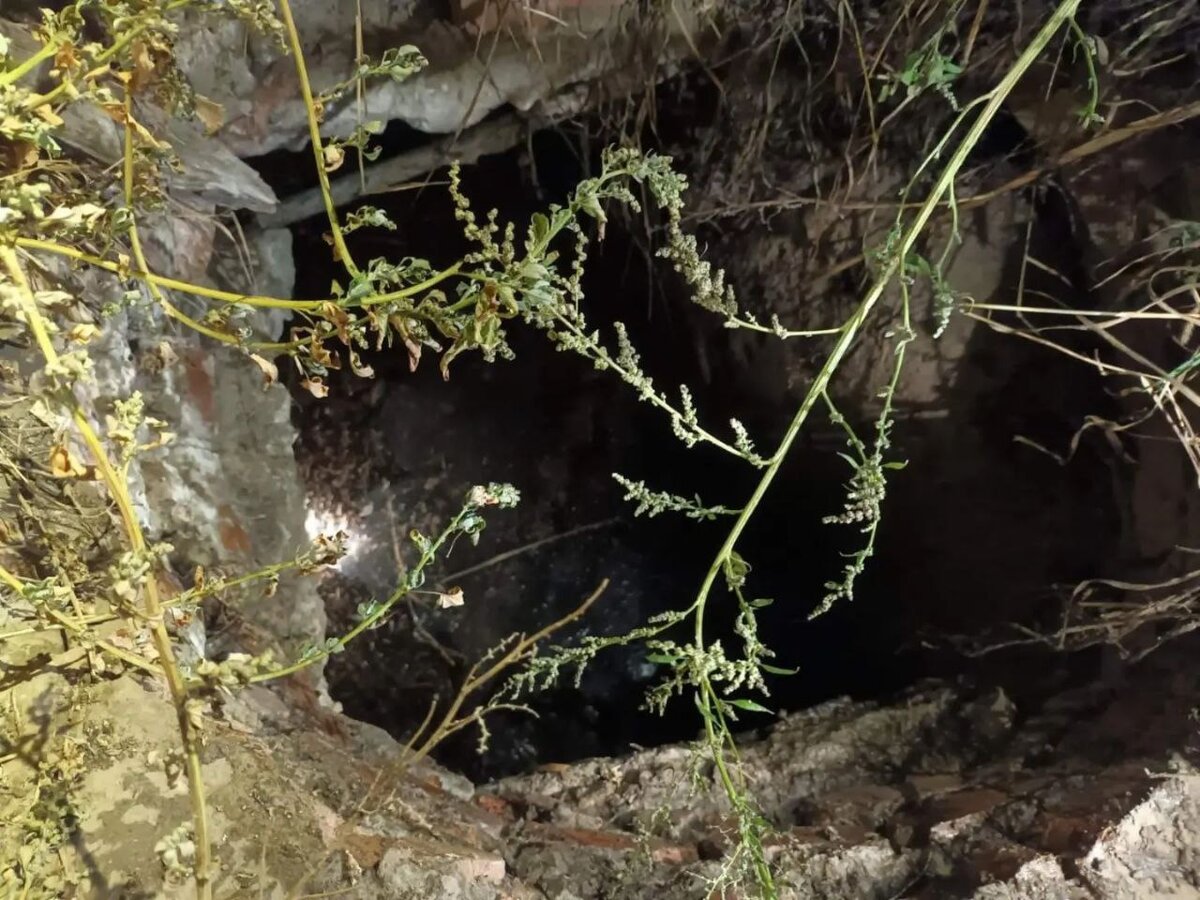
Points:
(920, 787)
(1152, 850)
(212, 172)
(260, 93)
(209, 170)
(468, 878)
(866, 806)
(262, 264)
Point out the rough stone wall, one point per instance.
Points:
(225, 493)
(477, 65)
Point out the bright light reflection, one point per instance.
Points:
(327, 522)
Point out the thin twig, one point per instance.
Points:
(526, 548)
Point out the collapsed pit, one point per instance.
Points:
(979, 529)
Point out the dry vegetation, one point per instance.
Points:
(82, 579)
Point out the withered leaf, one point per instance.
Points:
(358, 367)
(315, 386)
(144, 69)
(82, 333)
(414, 353)
(210, 113)
(63, 464)
(450, 598)
(269, 370)
(334, 157)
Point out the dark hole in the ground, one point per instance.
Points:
(976, 529)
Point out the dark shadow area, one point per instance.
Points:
(975, 528)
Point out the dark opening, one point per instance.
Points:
(963, 545)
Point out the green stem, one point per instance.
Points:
(24, 68)
(220, 586)
(653, 396)
(996, 99)
(710, 709)
(209, 293)
(172, 284)
(784, 333)
(402, 590)
(120, 42)
(892, 266)
(1085, 45)
(135, 241)
(119, 490)
(314, 133)
(413, 289)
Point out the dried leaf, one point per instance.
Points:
(116, 112)
(319, 353)
(21, 155)
(63, 464)
(210, 113)
(144, 69)
(414, 353)
(85, 214)
(194, 710)
(378, 322)
(334, 156)
(49, 116)
(358, 367)
(66, 59)
(82, 333)
(450, 598)
(269, 370)
(123, 640)
(315, 386)
(340, 320)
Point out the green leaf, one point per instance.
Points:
(560, 220)
(896, 465)
(777, 670)
(589, 204)
(736, 570)
(539, 228)
(422, 542)
(750, 706)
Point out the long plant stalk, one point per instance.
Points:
(152, 606)
(314, 133)
(211, 293)
(15, 74)
(892, 266)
